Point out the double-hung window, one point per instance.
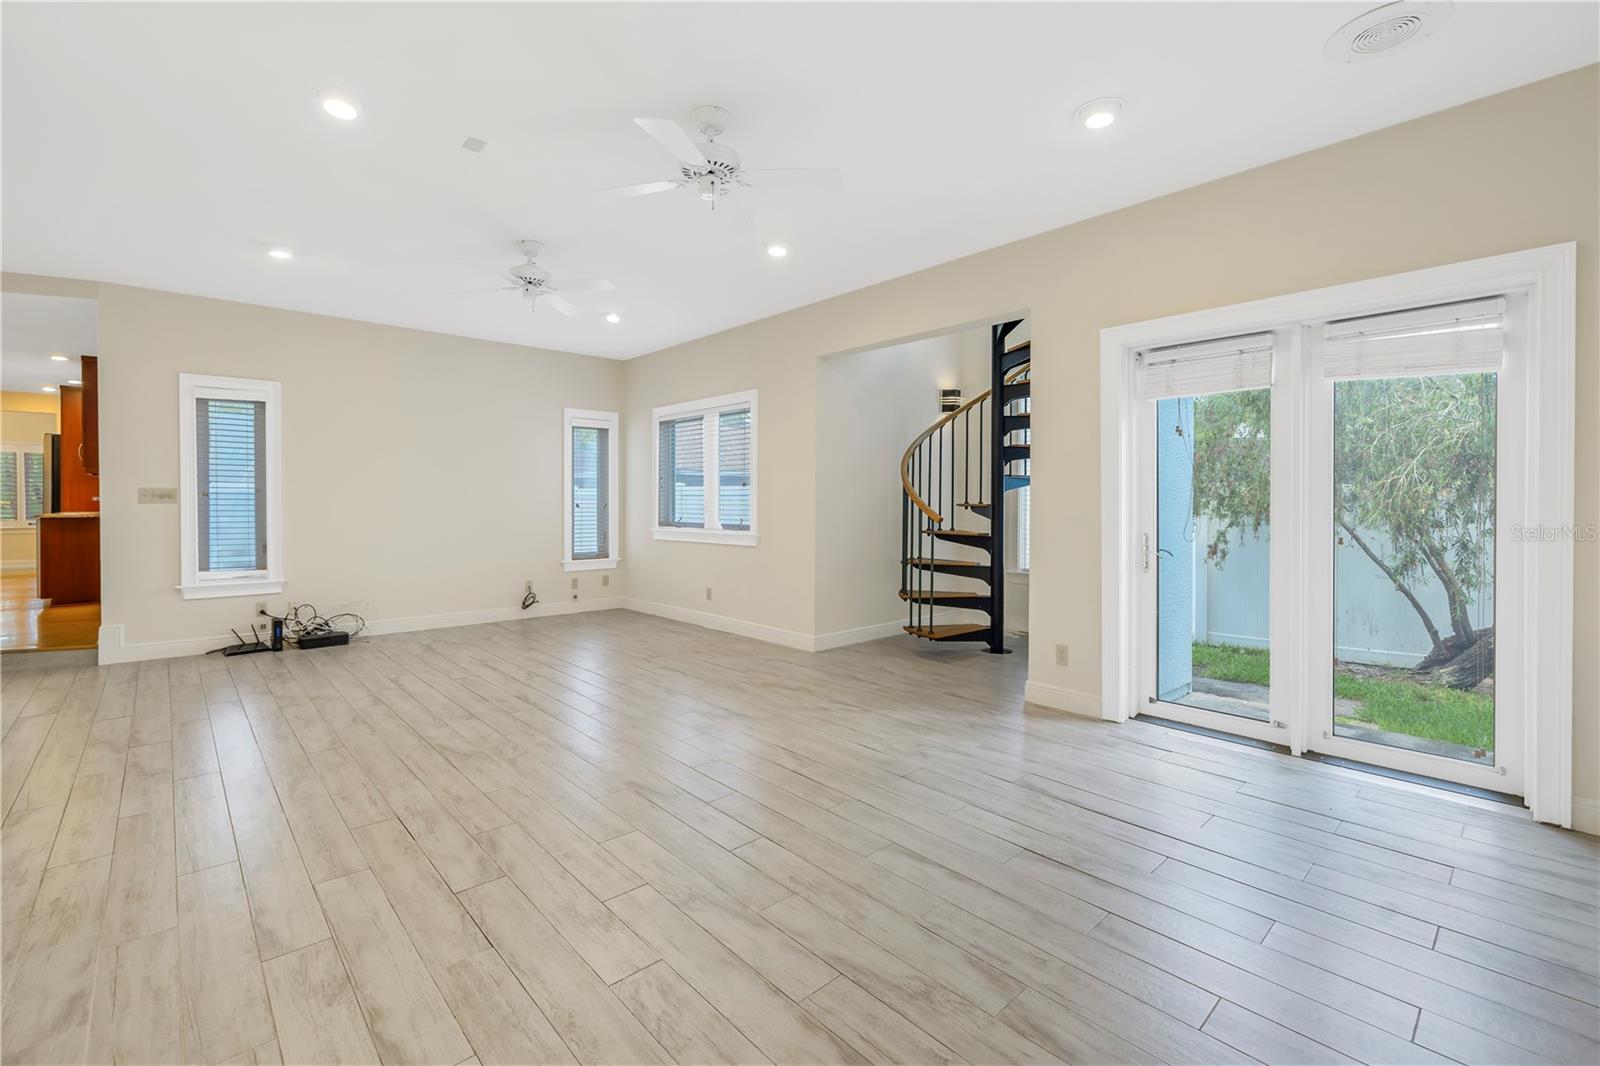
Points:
(706, 470)
(21, 484)
(590, 465)
(231, 452)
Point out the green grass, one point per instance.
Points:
(1395, 705)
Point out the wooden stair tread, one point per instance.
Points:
(941, 594)
(945, 632)
(981, 533)
(965, 564)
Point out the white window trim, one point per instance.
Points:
(710, 533)
(1547, 277)
(198, 586)
(21, 448)
(609, 420)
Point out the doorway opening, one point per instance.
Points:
(49, 474)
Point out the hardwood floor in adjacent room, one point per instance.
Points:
(28, 623)
(608, 838)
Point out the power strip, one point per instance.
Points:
(323, 640)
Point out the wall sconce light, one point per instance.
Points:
(949, 399)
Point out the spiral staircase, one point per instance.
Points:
(953, 544)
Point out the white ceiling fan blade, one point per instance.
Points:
(492, 288)
(674, 138)
(794, 178)
(584, 285)
(643, 189)
(559, 302)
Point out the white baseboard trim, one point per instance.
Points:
(1070, 700)
(843, 638)
(1586, 816)
(114, 649)
(17, 566)
(722, 623)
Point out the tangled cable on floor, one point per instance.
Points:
(302, 620)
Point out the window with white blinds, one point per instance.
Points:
(230, 443)
(591, 489)
(21, 484)
(1023, 516)
(10, 497)
(706, 470)
(1230, 364)
(681, 495)
(1456, 338)
(733, 469)
(231, 484)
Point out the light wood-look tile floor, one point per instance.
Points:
(609, 838)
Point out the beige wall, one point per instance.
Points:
(875, 401)
(1411, 196)
(422, 472)
(24, 419)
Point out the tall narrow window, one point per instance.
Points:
(230, 444)
(591, 490)
(706, 470)
(1023, 517)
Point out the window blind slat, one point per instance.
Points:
(591, 492)
(1461, 338)
(230, 448)
(682, 461)
(1232, 364)
(733, 469)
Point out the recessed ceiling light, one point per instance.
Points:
(47, 388)
(1098, 114)
(777, 251)
(341, 106)
(613, 318)
(74, 381)
(278, 251)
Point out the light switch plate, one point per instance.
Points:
(158, 495)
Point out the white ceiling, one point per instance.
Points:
(163, 145)
(32, 329)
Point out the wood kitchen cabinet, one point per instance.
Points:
(91, 415)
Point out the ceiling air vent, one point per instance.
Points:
(1383, 29)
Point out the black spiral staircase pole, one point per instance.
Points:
(997, 488)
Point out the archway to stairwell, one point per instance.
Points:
(872, 403)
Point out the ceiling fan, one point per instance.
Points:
(713, 170)
(534, 282)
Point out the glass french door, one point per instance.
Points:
(1413, 439)
(1207, 557)
(1320, 552)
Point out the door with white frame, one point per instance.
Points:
(1328, 513)
(1415, 425)
(1204, 424)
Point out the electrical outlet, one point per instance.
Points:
(708, 592)
(574, 583)
(1061, 655)
(605, 581)
(527, 588)
(261, 607)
